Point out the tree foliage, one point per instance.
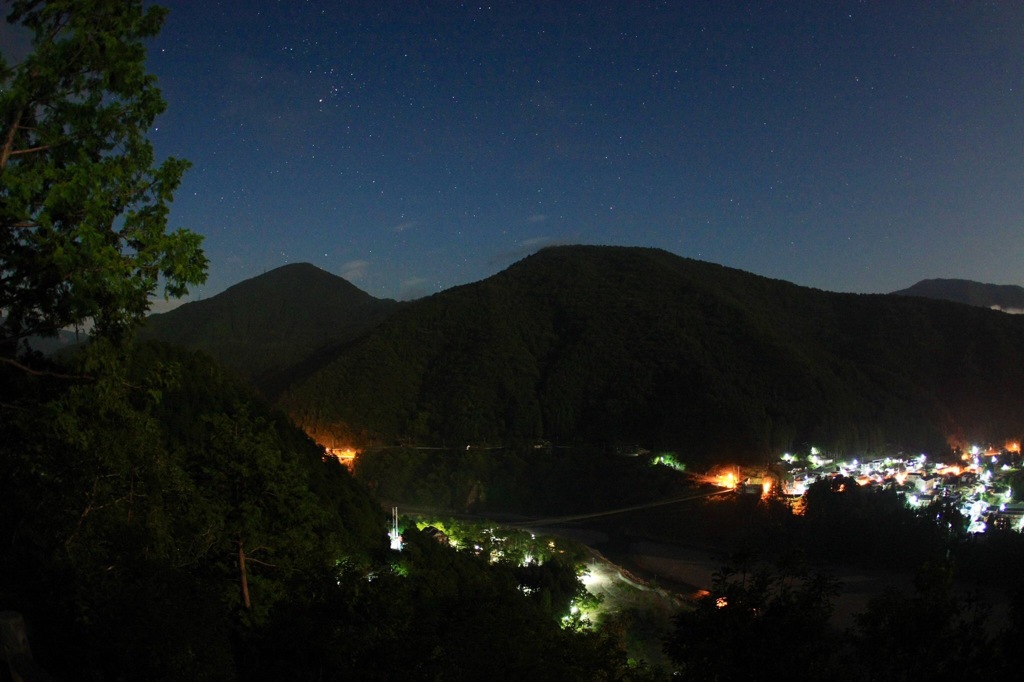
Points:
(935, 633)
(126, 505)
(760, 621)
(772, 622)
(83, 203)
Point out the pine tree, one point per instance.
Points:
(83, 204)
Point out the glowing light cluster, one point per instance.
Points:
(347, 455)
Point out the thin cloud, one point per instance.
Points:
(355, 270)
(402, 227)
(537, 218)
(160, 305)
(523, 249)
(413, 288)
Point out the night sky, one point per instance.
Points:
(414, 146)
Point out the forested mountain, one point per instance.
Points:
(1006, 297)
(157, 505)
(273, 321)
(609, 345)
(166, 524)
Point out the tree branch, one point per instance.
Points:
(44, 373)
(41, 148)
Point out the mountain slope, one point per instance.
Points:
(608, 345)
(275, 321)
(1006, 297)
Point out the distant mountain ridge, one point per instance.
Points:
(613, 345)
(610, 346)
(272, 322)
(1005, 297)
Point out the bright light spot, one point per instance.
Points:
(346, 456)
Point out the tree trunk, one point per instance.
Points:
(8, 147)
(244, 577)
(14, 650)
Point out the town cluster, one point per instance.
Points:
(978, 481)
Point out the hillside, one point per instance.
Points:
(611, 346)
(271, 322)
(1005, 297)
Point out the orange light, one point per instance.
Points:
(1012, 446)
(346, 456)
(766, 488)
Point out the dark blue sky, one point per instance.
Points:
(414, 146)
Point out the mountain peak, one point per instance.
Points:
(272, 321)
(1005, 297)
